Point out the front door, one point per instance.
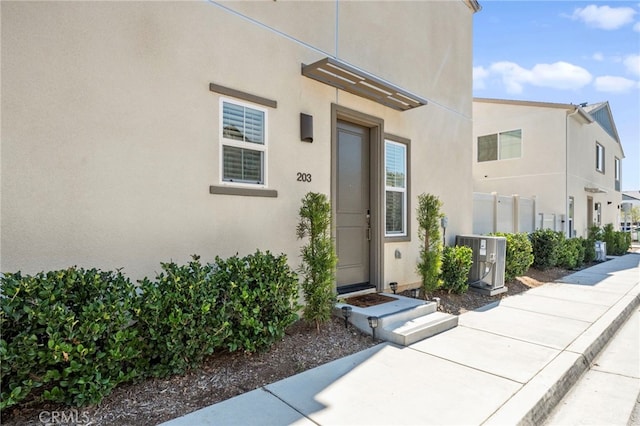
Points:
(353, 209)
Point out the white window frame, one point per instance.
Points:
(404, 190)
(499, 146)
(242, 144)
(599, 157)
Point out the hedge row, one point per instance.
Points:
(71, 336)
(552, 248)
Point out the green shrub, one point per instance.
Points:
(259, 294)
(519, 254)
(617, 242)
(595, 233)
(589, 245)
(182, 317)
(67, 335)
(319, 258)
(456, 263)
(571, 253)
(428, 215)
(546, 247)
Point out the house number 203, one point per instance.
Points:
(304, 177)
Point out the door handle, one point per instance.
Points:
(368, 233)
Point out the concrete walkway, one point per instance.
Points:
(508, 363)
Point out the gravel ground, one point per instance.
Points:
(226, 375)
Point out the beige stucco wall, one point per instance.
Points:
(550, 169)
(582, 173)
(540, 171)
(110, 132)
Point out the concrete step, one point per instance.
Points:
(405, 333)
(402, 321)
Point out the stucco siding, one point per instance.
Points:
(110, 134)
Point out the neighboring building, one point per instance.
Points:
(630, 205)
(135, 133)
(631, 197)
(569, 157)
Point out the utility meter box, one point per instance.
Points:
(489, 259)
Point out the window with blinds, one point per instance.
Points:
(395, 189)
(244, 143)
(500, 146)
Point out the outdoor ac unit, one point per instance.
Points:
(489, 256)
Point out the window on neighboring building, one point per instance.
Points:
(598, 219)
(599, 157)
(500, 146)
(244, 142)
(617, 173)
(395, 189)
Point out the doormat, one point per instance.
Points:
(367, 300)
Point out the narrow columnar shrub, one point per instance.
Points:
(519, 254)
(259, 293)
(319, 258)
(428, 215)
(456, 263)
(67, 335)
(546, 247)
(182, 317)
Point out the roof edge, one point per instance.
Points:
(525, 103)
(474, 5)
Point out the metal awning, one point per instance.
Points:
(338, 74)
(594, 190)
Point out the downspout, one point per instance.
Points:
(566, 174)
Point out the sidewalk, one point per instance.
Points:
(508, 363)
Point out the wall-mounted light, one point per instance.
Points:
(306, 127)
(609, 203)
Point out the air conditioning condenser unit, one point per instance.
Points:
(489, 258)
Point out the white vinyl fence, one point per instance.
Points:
(502, 213)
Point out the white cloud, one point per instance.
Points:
(479, 75)
(636, 27)
(559, 75)
(513, 75)
(612, 84)
(632, 62)
(598, 56)
(604, 17)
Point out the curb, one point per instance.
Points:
(538, 413)
(560, 375)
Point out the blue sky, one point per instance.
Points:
(566, 52)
